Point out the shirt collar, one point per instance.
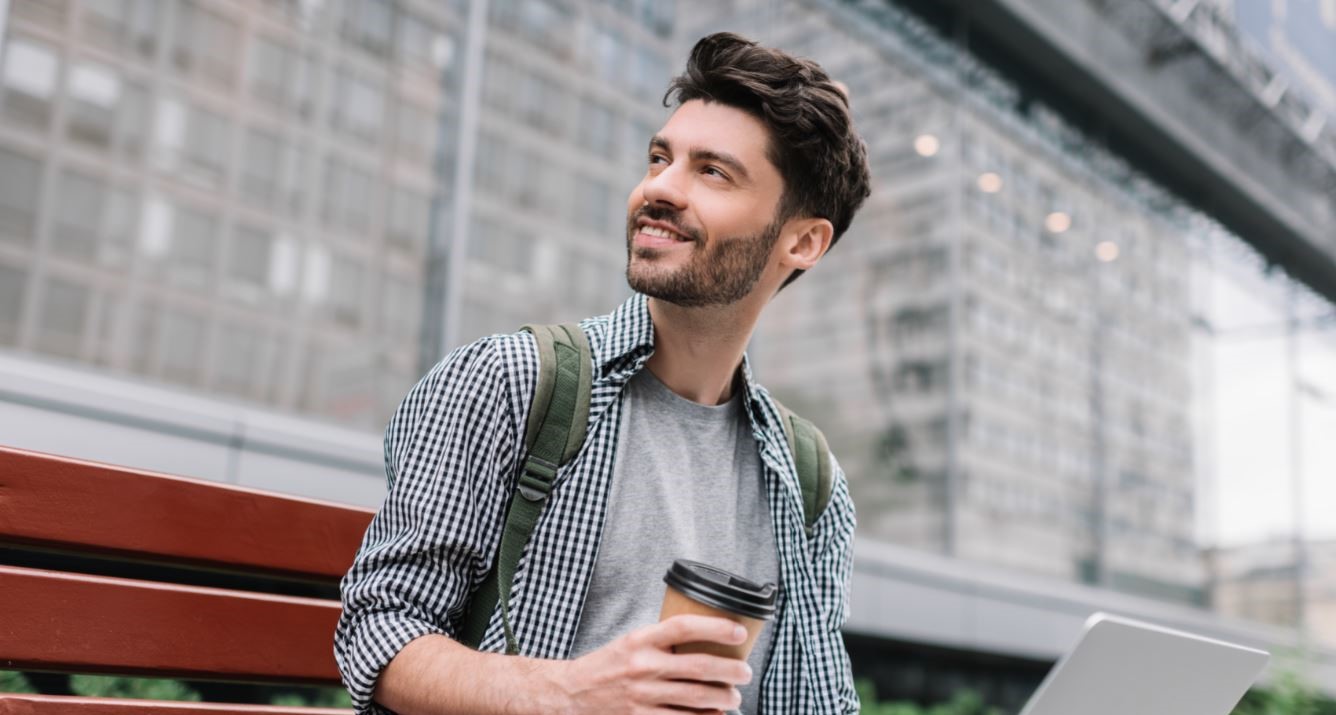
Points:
(628, 344)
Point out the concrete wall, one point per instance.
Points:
(76, 413)
(915, 596)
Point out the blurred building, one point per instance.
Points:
(1262, 583)
(229, 197)
(254, 199)
(1000, 349)
(570, 95)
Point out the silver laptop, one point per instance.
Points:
(1121, 667)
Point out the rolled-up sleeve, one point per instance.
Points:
(449, 452)
(833, 545)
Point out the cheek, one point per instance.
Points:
(730, 216)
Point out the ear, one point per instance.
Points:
(811, 239)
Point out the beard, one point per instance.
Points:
(720, 273)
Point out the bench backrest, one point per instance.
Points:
(111, 570)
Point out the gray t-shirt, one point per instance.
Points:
(687, 484)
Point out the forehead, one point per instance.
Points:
(711, 126)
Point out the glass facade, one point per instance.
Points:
(1023, 352)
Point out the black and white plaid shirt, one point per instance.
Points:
(452, 456)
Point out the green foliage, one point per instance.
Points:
(315, 698)
(1290, 695)
(13, 682)
(964, 703)
(114, 686)
(108, 686)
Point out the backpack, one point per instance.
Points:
(558, 422)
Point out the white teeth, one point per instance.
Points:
(656, 231)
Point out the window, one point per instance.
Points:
(533, 93)
(415, 133)
(132, 120)
(500, 246)
(82, 198)
(240, 364)
(499, 81)
(369, 24)
(206, 144)
(94, 91)
(123, 24)
(296, 169)
(345, 298)
(423, 45)
(260, 167)
(401, 306)
(637, 144)
(491, 164)
(921, 376)
(191, 141)
(248, 262)
(104, 108)
(203, 44)
(191, 247)
(30, 72)
(360, 108)
(658, 17)
(608, 54)
(528, 173)
(64, 313)
(409, 221)
(273, 172)
(121, 221)
(596, 131)
(281, 76)
(13, 285)
(20, 177)
(269, 70)
(593, 203)
(348, 196)
(48, 12)
(180, 345)
(651, 73)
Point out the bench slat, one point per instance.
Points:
(71, 504)
(25, 704)
(95, 624)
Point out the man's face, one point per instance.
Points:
(702, 224)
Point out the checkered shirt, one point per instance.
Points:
(453, 452)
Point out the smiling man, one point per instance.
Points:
(754, 177)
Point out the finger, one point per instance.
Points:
(706, 668)
(691, 629)
(693, 695)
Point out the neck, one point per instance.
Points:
(697, 351)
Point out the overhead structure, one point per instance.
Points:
(1171, 87)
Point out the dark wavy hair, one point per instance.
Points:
(813, 143)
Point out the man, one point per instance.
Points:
(755, 175)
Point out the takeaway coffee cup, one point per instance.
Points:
(704, 590)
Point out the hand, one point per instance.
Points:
(639, 673)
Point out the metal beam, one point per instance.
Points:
(1072, 55)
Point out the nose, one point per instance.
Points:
(666, 188)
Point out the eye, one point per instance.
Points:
(715, 171)
(656, 158)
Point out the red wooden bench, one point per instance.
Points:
(108, 570)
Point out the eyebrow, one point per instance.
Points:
(706, 155)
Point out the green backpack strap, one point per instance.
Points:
(811, 455)
(558, 421)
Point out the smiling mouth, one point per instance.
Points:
(657, 232)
